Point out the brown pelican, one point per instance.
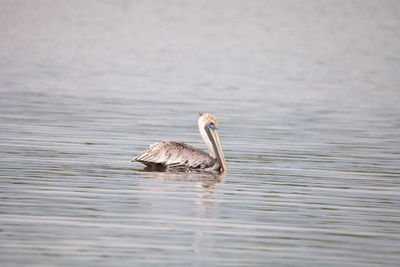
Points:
(179, 156)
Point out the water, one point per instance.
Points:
(307, 96)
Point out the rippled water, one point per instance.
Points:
(308, 99)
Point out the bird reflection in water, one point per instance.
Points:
(204, 201)
(203, 179)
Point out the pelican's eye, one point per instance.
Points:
(212, 126)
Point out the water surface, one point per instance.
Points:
(307, 96)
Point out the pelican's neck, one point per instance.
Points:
(206, 140)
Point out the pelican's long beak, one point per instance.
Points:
(212, 133)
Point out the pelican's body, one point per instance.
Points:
(178, 155)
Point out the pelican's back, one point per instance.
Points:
(174, 154)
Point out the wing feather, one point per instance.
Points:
(175, 154)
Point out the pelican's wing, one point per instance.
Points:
(175, 154)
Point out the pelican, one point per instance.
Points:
(175, 155)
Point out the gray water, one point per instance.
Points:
(308, 99)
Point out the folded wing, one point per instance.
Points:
(175, 154)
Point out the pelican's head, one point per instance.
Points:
(208, 127)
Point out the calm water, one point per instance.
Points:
(308, 99)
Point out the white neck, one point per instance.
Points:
(206, 140)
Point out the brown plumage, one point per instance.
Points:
(175, 154)
(180, 156)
